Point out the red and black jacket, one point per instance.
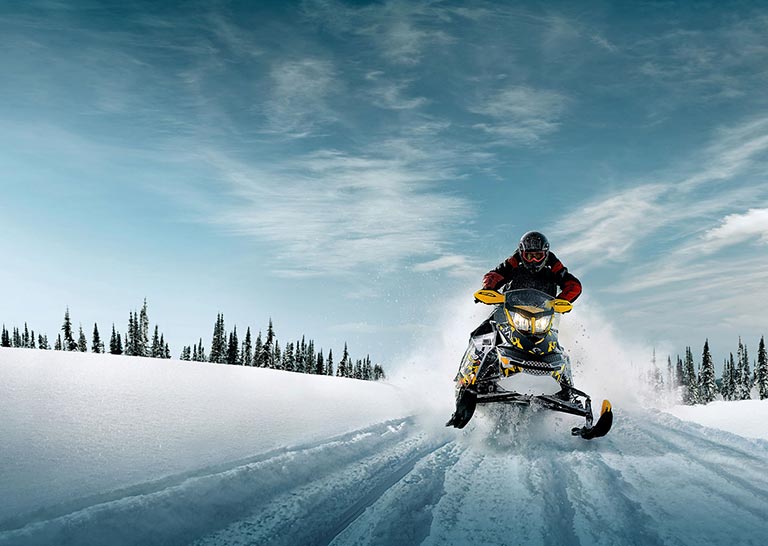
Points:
(512, 275)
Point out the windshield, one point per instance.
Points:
(535, 300)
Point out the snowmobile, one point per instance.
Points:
(514, 358)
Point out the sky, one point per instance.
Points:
(346, 168)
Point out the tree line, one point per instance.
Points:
(265, 351)
(696, 382)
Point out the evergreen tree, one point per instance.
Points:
(32, 340)
(195, 358)
(343, 369)
(143, 340)
(276, 361)
(186, 353)
(320, 363)
(247, 352)
(310, 358)
(17, 338)
(269, 347)
(329, 363)
(708, 385)
(25, 338)
(201, 351)
(289, 361)
(6, 338)
(691, 392)
(367, 368)
(96, 346)
(69, 341)
(743, 375)
(58, 346)
(762, 370)
(233, 351)
(42, 341)
(358, 373)
(218, 343)
(679, 372)
(378, 373)
(157, 349)
(115, 342)
(259, 356)
(82, 343)
(726, 384)
(167, 354)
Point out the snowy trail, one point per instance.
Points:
(654, 480)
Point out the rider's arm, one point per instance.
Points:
(570, 287)
(499, 275)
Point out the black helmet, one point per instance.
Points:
(534, 250)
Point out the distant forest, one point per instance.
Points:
(696, 382)
(226, 348)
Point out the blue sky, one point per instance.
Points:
(343, 166)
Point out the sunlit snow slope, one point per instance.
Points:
(105, 450)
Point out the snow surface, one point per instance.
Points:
(98, 449)
(747, 418)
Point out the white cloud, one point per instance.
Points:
(332, 212)
(298, 100)
(736, 228)
(455, 265)
(520, 114)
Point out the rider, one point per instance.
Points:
(531, 266)
(540, 270)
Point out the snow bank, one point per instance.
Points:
(747, 418)
(74, 425)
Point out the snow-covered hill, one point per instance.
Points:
(118, 450)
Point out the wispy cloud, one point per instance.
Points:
(520, 114)
(454, 265)
(298, 99)
(331, 212)
(737, 228)
(390, 94)
(612, 227)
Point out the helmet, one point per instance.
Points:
(534, 250)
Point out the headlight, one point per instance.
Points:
(522, 323)
(542, 324)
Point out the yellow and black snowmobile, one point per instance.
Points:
(514, 358)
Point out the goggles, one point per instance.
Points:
(535, 256)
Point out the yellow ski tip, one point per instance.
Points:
(606, 407)
(561, 306)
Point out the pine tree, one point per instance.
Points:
(343, 369)
(96, 346)
(218, 343)
(378, 373)
(195, 358)
(259, 357)
(82, 342)
(269, 347)
(233, 351)
(42, 341)
(25, 337)
(143, 342)
(691, 392)
(16, 338)
(367, 368)
(58, 346)
(201, 351)
(743, 375)
(157, 350)
(6, 338)
(311, 358)
(762, 370)
(708, 385)
(320, 363)
(289, 360)
(329, 363)
(186, 353)
(69, 341)
(247, 352)
(679, 372)
(276, 361)
(167, 353)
